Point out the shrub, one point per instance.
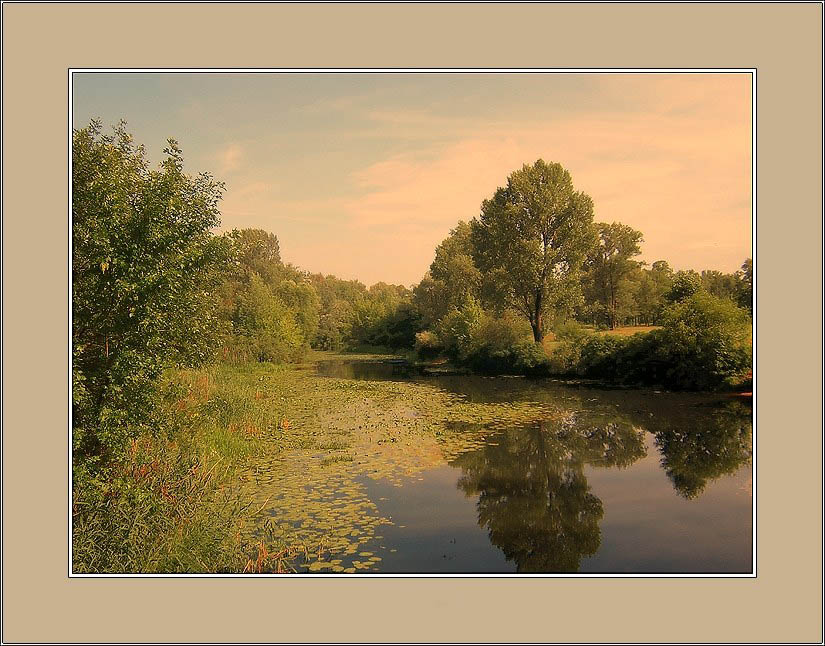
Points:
(704, 345)
(505, 345)
(144, 264)
(457, 328)
(705, 342)
(598, 357)
(570, 330)
(427, 345)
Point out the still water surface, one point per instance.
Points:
(634, 481)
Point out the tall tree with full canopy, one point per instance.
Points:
(530, 242)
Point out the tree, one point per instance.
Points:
(611, 266)
(144, 266)
(452, 278)
(338, 298)
(259, 251)
(685, 284)
(720, 284)
(265, 325)
(654, 285)
(530, 242)
(302, 299)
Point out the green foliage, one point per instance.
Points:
(259, 251)
(264, 328)
(704, 344)
(706, 341)
(685, 284)
(452, 279)
(302, 299)
(569, 330)
(610, 268)
(457, 328)
(385, 318)
(338, 299)
(144, 264)
(272, 309)
(530, 243)
(485, 343)
(654, 284)
(745, 277)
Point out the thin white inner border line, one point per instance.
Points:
(428, 70)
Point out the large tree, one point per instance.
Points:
(530, 242)
(611, 266)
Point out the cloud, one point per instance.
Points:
(666, 154)
(679, 171)
(229, 159)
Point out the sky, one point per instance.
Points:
(362, 175)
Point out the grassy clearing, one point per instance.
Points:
(630, 330)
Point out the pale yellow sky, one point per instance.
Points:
(362, 175)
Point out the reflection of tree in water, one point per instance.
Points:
(533, 496)
(715, 445)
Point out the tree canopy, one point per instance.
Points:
(611, 266)
(531, 240)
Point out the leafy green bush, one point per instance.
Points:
(504, 345)
(705, 342)
(144, 265)
(570, 330)
(427, 345)
(457, 329)
(598, 357)
(704, 345)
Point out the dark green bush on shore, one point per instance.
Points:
(704, 344)
(486, 344)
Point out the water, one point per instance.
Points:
(627, 481)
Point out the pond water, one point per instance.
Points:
(621, 481)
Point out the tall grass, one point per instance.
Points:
(172, 503)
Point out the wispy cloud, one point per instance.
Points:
(229, 159)
(364, 178)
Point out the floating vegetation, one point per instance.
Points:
(319, 440)
(321, 436)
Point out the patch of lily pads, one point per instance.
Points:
(327, 434)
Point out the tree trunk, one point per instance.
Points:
(538, 329)
(536, 323)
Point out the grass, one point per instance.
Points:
(630, 330)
